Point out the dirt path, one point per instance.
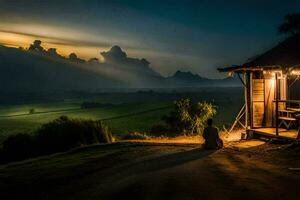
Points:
(178, 171)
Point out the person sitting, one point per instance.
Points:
(211, 136)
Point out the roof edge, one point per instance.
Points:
(242, 68)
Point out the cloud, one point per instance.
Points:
(117, 57)
(114, 55)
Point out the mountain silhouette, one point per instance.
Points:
(37, 71)
(188, 79)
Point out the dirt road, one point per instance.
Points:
(162, 171)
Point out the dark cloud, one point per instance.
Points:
(37, 47)
(117, 57)
(114, 55)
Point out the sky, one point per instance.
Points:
(196, 36)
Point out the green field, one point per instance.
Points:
(129, 112)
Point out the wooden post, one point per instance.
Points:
(250, 99)
(276, 103)
(246, 99)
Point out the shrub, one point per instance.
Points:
(189, 118)
(56, 136)
(65, 133)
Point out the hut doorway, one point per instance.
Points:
(263, 96)
(258, 102)
(269, 102)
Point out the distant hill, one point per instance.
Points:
(188, 79)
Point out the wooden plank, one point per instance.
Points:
(287, 118)
(258, 114)
(258, 90)
(287, 111)
(294, 109)
(271, 132)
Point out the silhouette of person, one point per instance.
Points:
(211, 136)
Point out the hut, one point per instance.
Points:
(271, 90)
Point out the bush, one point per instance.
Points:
(56, 136)
(189, 118)
(135, 136)
(64, 133)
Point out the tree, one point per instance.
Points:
(189, 118)
(178, 120)
(200, 113)
(291, 24)
(36, 46)
(52, 52)
(73, 57)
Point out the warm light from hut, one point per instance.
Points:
(271, 74)
(295, 72)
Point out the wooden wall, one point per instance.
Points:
(262, 95)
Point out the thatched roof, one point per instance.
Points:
(285, 55)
